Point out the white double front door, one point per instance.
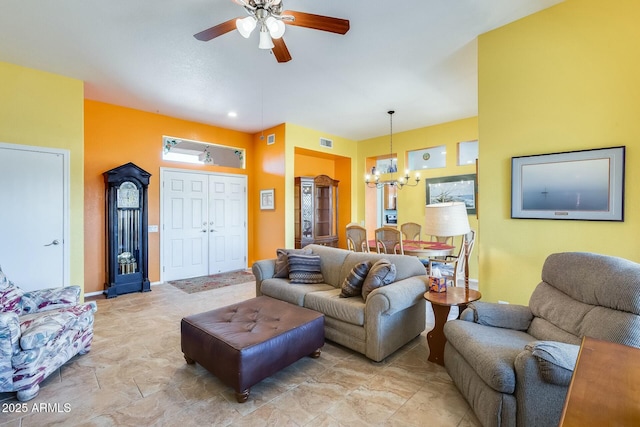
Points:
(204, 223)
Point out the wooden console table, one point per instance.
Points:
(605, 387)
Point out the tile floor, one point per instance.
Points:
(135, 375)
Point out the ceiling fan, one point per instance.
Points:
(268, 16)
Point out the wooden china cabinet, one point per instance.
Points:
(316, 211)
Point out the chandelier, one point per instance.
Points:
(267, 13)
(401, 181)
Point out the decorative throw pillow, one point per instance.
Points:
(305, 268)
(352, 284)
(382, 273)
(10, 296)
(282, 262)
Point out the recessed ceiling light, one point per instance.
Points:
(232, 114)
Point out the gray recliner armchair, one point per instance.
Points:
(513, 363)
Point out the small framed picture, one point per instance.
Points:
(267, 199)
(459, 188)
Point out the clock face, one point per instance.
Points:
(128, 195)
(426, 156)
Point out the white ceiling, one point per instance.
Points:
(417, 57)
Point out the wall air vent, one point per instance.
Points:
(271, 139)
(324, 142)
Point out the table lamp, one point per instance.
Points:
(449, 219)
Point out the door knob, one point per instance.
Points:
(55, 243)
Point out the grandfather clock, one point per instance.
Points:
(127, 225)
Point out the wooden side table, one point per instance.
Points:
(604, 387)
(441, 302)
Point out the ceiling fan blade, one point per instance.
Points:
(318, 22)
(280, 50)
(218, 30)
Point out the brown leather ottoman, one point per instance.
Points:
(244, 343)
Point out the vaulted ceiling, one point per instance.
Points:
(418, 57)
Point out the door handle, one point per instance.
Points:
(213, 230)
(204, 231)
(54, 243)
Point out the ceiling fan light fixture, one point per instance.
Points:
(265, 39)
(276, 27)
(246, 25)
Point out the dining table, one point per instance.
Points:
(421, 248)
(425, 249)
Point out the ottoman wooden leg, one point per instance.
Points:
(316, 353)
(243, 396)
(189, 360)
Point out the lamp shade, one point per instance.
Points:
(246, 25)
(276, 27)
(446, 219)
(265, 40)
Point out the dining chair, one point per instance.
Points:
(357, 238)
(411, 230)
(456, 265)
(389, 240)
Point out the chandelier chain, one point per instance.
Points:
(391, 136)
(400, 182)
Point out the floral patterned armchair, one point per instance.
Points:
(39, 332)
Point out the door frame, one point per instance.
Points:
(163, 171)
(66, 178)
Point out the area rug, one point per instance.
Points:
(206, 283)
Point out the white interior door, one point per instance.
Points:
(227, 223)
(204, 227)
(184, 232)
(33, 216)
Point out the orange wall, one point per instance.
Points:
(343, 174)
(268, 172)
(117, 135)
(308, 163)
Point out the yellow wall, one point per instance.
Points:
(305, 142)
(566, 78)
(296, 152)
(411, 200)
(46, 110)
(116, 135)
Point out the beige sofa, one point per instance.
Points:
(392, 315)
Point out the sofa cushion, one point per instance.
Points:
(50, 299)
(350, 310)
(556, 360)
(283, 290)
(382, 273)
(491, 351)
(40, 328)
(352, 284)
(406, 266)
(10, 296)
(510, 316)
(282, 260)
(587, 277)
(305, 268)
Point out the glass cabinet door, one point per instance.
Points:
(316, 202)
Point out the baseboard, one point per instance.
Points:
(93, 294)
